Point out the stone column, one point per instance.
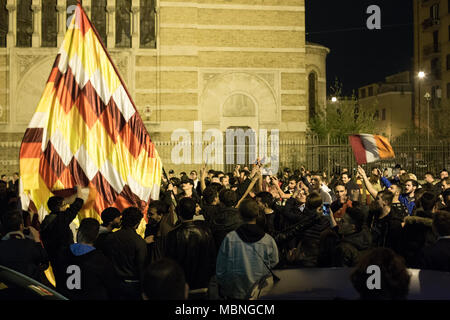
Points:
(37, 25)
(135, 24)
(61, 8)
(111, 23)
(12, 26)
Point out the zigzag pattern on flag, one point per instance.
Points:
(86, 131)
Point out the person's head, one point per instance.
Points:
(156, 209)
(55, 203)
(264, 199)
(171, 173)
(210, 195)
(445, 183)
(164, 279)
(341, 191)
(225, 180)
(187, 184)
(13, 221)
(88, 231)
(286, 173)
(215, 178)
(390, 269)
(228, 197)
(193, 175)
(244, 174)
(313, 201)
(375, 171)
(302, 195)
(352, 221)
(385, 198)
(427, 201)
(429, 177)
(211, 173)
(186, 209)
(111, 217)
(316, 181)
(345, 177)
(249, 210)
(443, 174)
(4, 178)
(410, 186)
(16, 175)
(403, 171)
(396, 189)
(292, 182)
(441, 223)
(131, 217)
(387, 173)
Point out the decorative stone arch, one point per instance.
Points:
(220, 88)
(29, 90)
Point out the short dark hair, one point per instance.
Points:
(186, 208)
(88, 230)
(292, 178)
(12, 220)
(108, 215)
(428, 173)
(161, 207)
(347, 173)
(209, 194)
(54, 203)
(266, 198)
(248, 209)
(387, 196)
(428, 200)
(131, 217)
(395, 278)
(193, 171)
(413, 182)
(164, 279)
(441, 223)
(313, 201)
(228, 197)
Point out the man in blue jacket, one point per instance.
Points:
(406, 198)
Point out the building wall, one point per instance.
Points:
(424, 53)
(212, 59)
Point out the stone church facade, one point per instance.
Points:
(228, 64)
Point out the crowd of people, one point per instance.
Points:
(217, 235)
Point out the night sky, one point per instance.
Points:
(360, 56)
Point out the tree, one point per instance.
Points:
(342, 117)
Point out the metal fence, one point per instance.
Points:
(316, 154)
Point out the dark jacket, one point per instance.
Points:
(417, 234)
(386, 232)
(55, 231)
(98, 280)
(23, 255)
(227, 219)
(352, 246)
(128, 253)
(437, 256)
(291, 212)
(192, 245)
(209, 211)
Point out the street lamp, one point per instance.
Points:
(428, 98)
(421, 75)
(333, 99)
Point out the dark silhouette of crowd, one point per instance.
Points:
(217, 235)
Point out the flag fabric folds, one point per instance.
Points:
(86, 131)
(370, 148)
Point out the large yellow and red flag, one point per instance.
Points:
(86, 131)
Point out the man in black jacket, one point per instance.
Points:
(88, 274)
(55, 230)
(18, 252)
(437, 257)
(191, 244)
(128, 253)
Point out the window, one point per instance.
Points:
(123, 23)
(98, 18)
(312, 78)
(147, 24)
(370, 91)
(448, 62)
(436, 41)
(383, 114)
(3, 23)
(24, 23)
(448, 90)
(434, 11)
(362, 93)
(49, 18)
(376, 115)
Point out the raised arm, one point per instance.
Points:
(367, 183)
(250, 187)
